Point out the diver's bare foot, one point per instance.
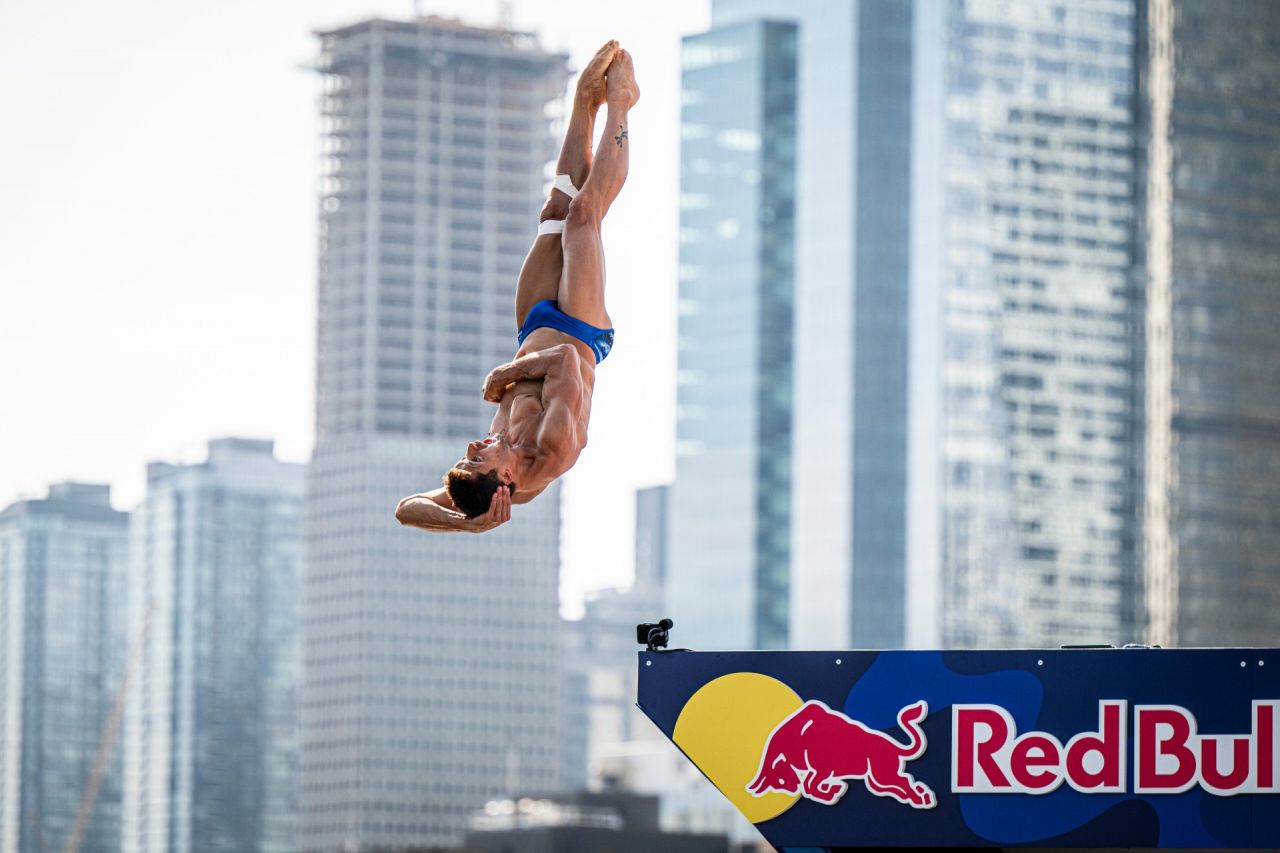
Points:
(591, 84)
(621, 79)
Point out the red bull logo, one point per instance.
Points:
(815, 751)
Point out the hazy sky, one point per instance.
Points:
(157, 243)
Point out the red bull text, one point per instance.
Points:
(989, 756)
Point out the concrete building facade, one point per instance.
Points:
(432, 661)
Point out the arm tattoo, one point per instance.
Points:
(622, 134)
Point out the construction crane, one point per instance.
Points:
(108, 739)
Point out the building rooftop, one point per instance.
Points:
(76, 501)
(435, 22)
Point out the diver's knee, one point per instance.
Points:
(582, 213)
(555, 207)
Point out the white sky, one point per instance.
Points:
(157, 243)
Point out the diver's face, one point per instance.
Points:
(483, 455)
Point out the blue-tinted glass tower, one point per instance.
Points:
(62, 656)
(731, 503)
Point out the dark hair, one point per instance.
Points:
(472, 492)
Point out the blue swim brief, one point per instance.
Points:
(547, 315)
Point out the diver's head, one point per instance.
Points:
(471, 482)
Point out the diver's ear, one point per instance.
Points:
(506, 475)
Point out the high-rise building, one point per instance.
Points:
(211, 725)
(1033, 360)
(1040, 323)
(432, 661)
(1210, 240)
(731, 506)
(62, 640)
(964, 417)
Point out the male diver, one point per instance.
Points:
(544, 393)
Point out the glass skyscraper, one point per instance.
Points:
(211, 726)
(963, 386)
(432, 660)
(1211, 240)
(62, 641)
(1037, 369)
(1033, 246)
(855, 155)
(731, 503)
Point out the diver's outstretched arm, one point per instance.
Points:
(435, 511)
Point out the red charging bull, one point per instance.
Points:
(816, 749)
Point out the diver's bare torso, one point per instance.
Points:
(520, 414)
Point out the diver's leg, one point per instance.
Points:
(581, 293)
(543, 266)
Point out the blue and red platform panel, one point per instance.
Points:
(1038, 748)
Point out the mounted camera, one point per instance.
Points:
(653, 637)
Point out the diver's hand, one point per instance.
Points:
(499, 512)
(497, 382)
